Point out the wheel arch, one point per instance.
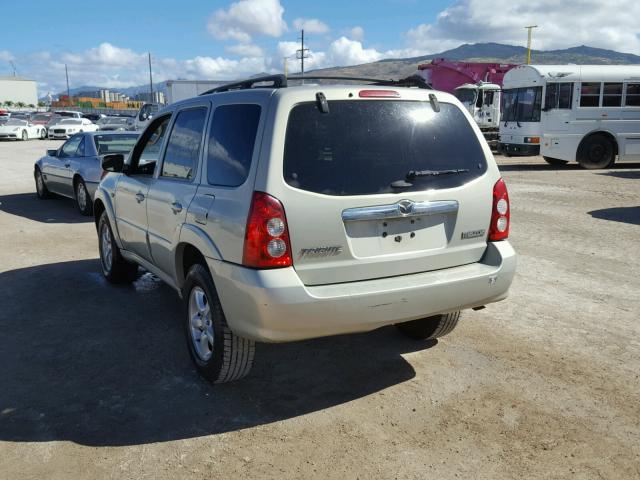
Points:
(605, 133)
(187, 255)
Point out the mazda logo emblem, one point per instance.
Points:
(405, 207)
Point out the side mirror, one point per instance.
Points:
(52, 153)
(113, 162)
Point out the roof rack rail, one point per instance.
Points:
(410, 81)
(278, 81)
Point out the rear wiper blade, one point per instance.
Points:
(434, 173)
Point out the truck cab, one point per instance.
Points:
(482, 101)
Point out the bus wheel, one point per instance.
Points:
(596, 151)
(555, 161)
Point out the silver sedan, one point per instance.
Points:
(74, 170)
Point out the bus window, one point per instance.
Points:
(551, 96)
(521, 104)
(590, 95)
(633, 95)
(612, 95)
(565, 95)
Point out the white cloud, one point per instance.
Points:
(562, 24)
(351, 52)
(5, 56)
(246, 18)
(245, 50)
(356, 33)
(311, 25)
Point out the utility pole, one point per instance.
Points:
(286, 66)
(150, 81)
(302, 53)
(529, 28)
(13, 65)
(66, 72)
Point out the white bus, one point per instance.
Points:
(584, 113)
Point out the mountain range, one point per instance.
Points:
(476, 52)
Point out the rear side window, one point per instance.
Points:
(231, 142)
(612, 95)
(183, 149)
(590, 95)
(633, 95)
(362, 147)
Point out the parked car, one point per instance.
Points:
(145, 114)
(17, 129)
(94, 117)
(66, 127)
(115, 123)
(68, 113)
(74, 169)
(41, 118)
(290, 213)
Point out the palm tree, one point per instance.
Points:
(21, 104)
(8, 103)
(31, 105)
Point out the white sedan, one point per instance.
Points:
(16, 129)
(68, 127)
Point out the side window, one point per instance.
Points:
(183, 148)
(565, 95)
(488, 97)
(231, 142)
(69, 149)
(633, 95)
(80, 150)
(590, 95)
(551, 96)
(612, 95)
(147, 152)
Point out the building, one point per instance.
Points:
(158, 97)
(18, 89)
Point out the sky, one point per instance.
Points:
(106, 43)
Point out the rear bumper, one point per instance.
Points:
(519, 149)
(274, 305)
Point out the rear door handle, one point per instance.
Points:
(176, 207)
(139, 197)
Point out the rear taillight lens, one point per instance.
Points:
(378, 94)
(500, 213)
(266, 239)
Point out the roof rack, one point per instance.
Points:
(410, 81)
(280, 81)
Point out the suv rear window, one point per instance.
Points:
(361, 147)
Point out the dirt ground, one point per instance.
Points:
(96, 381)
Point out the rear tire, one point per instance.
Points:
(114, 267)
(555, 161)
(431, 327)
(25, 136)
(596, 151)
(43, 134)
(83, 199)
(219, 354)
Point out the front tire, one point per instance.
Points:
(43, 134)
(597, 151)
(41, 188)
(25, 136)
(431, 327)
(219, 354)
(83, 199)
(114, 267)
(555, 161)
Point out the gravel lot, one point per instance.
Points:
(96, 381)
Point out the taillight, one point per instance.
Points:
(500, 213)
(266, 239)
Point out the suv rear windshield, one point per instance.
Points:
(361, 147)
